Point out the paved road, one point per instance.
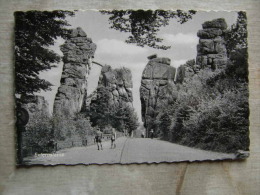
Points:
(128, 150)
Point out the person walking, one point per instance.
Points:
(113, 138)
(152, 134)
(98, 139)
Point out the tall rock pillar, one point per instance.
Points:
(211, 50)
(156, 89)
(78, 51)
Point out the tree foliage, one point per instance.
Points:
(212, 117)
(76, 128)
(129, 118)
(237, 36)
(100, 113)
(38, 131)
(143, 25)
(35, 31)
(83, 125)
(165, 124)
(237, 48)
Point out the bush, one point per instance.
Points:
(76, 128)
(39, 133)
(212, 116)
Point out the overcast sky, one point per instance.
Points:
(112, 50)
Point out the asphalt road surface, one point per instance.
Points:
(128, 150)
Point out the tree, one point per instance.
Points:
(237, 36)
(130, 119)
(165, 123)
(100, 111)
(143, 25)
(237, 48)
(35, 31)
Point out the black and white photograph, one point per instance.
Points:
(130, 86)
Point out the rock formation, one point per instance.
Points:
(78, 50)
(119, 83)
(211, 50)
(186, 71)
(111, 104)
(157, 88)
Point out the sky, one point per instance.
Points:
(112, 49)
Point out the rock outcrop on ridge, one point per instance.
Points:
(78, 51)
(211, 50)
(157, 88)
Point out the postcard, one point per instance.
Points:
(130, 86)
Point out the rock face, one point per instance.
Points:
(211, 50)
(156, 89)
(119, 83)
(78, 51)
